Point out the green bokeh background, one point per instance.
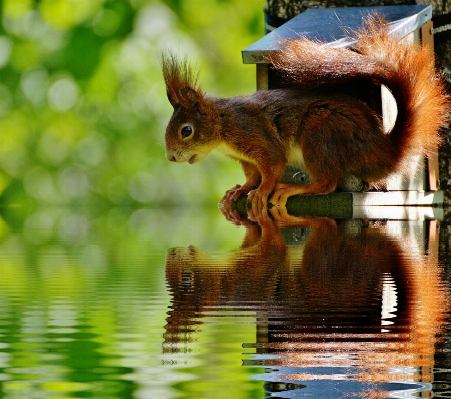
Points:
(83, 178)
(83, 107)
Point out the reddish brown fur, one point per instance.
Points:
(337, 135)
(334, 268)
(178, 75)
(409, 74)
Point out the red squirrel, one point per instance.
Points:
(330, 135)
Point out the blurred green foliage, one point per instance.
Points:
(83, 107)
(83, 111)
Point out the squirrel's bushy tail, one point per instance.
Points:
(406, 70)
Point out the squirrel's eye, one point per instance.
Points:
(186, 131)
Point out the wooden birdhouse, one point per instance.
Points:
(329, 26)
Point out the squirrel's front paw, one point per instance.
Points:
(233, 194)
(259, 200)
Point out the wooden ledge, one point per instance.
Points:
(383, 205)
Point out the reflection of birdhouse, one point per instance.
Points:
(331, 26)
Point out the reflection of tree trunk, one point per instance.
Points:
(287, 9)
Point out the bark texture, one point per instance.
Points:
(288, 9)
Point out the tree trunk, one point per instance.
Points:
(278, 11)
(288, 9)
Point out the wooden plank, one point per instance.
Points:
(433, 167)
(427, 39)
(414, 213)
(348, 205)
(395, 198)
(262, 77)
(433, 242)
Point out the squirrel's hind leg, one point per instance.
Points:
(283, 191)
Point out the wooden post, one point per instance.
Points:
(262, 77)
(433, 165)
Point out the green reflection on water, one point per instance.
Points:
(172, 303)
(83, 305)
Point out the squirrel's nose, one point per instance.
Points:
(173, 156)
(170, 156)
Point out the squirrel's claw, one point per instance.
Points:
(233, 216)
(230, 195)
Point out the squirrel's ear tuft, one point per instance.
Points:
(172, 97)
(181, 81)
(189, 97)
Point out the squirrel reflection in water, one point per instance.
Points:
(318, 286)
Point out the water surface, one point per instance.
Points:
(184, 304)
